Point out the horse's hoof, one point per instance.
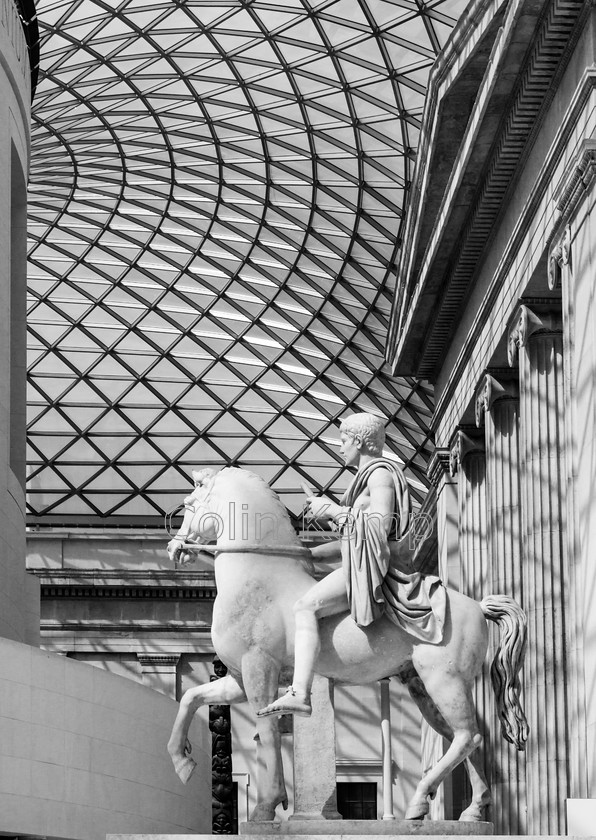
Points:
(262, 813)
(284, 803)
(184, 767)
(418, 811)
(471, 815)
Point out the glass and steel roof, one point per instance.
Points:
(216, 197)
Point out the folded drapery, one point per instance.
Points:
(415, 602)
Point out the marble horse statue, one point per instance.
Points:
(261, 569)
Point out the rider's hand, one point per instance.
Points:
(322, 509)
(179, 555)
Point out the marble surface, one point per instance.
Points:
(369, 828)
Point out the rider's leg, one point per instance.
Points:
(327, 597)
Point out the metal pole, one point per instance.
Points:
(386, 747)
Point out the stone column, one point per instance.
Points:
(386, 750)
(159, 671)
(315, 793)
(497, 409)
(573, 277)
(535, 338)
(447, 517)
(431, 743)
(468, 463)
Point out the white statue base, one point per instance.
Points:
(366, 828)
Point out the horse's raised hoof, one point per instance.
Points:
(184, 767)
(291, 703)
(417, 811)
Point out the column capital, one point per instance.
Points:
(559, 256)
(462, 445)
(525, 323)
(489, 390)
(438, 466)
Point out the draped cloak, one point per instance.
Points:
(376, 587)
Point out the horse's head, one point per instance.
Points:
(237, 509)
(198, 526)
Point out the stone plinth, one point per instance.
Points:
(367, 828)
(315, 796)
(421, 828)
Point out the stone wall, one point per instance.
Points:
(19, 618)
(83, 753)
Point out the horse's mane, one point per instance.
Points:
(249, 478)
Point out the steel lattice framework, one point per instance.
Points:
(216, 197)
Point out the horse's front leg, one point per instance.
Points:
(260, 675)
(224, 691)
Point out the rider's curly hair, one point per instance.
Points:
(370, 428)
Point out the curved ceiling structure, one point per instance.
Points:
(216, 197)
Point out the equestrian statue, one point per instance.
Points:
(371, 618)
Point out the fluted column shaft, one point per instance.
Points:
(447, 517)
(468, 460)
(469, 463)
(497, 408)
(537, 340)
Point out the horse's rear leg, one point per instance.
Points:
(481, 797)
(453, 700)
(260, 675)
(224, 691)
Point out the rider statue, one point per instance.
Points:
(374, 515)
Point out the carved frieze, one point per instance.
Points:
(559, 257)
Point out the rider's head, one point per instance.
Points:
(369, 428)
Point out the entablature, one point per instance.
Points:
(452, 222)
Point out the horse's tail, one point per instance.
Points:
(508, 660)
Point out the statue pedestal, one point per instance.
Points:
(315, 797)
(366, 828)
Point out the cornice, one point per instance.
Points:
(472, 27)
(438, 465)
(129, 592)
(516, 240)
(120, 584)
(128, 628)
(536, 86)
(157, 659)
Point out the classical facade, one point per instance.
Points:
(496, 308)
